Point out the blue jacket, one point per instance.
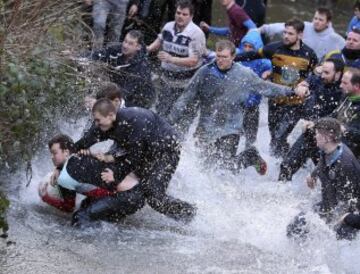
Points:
(354, 24)
(259, 66)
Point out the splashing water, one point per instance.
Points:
(240, 227)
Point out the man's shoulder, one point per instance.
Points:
(169, 26)
(194, 30)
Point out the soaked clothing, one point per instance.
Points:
(152, 149)
(351, 58)
(220, 96)
(305, 146)
(134, 75)
(340, 193)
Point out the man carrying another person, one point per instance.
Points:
(182, 45)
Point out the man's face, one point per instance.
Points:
(58, 155)
(328, 73)
(224, 59)
(321, 140)
(353, 41)
(182, 17)
(346, 85)
(320, 22)
(130, 46)
(290, 36)
(104, 122)
(248, 47)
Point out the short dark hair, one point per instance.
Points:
(355, 30)
(338, 64)
(330, 127)
(183, 4)
(138, 35)
(104, 106)
(64, 141)
(355, 76)
(110, 91)
(357, 5)
(297, 24)
(225, 44)
(325, 11)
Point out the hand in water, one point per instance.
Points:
(107, 176)
(54, 176)
(311, 182)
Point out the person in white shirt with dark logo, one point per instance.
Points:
(181, 45)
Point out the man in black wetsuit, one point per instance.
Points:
(151, 147)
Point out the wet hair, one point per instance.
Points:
(138, 35)
(104, 106)
(338, 64)
(110, 91)
(357, 5)
(355, 30)
(297, 24)
(225, 44)
(185, 4)
(330, 127)
(64, 141)
(326, 12)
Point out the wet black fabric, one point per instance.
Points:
(153, 150)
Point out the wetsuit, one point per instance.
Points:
(289, 68)
(153, 150)
(339, 173)
(323, 100)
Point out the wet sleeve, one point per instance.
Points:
(92, 136)
(271, 30)
(186, 105)
(250, 24)
(266, 88)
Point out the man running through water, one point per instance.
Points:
(151, 146)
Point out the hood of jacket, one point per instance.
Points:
(253, 37)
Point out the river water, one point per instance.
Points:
(240, 226)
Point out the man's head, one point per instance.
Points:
(61, 147)
(247, 47)
(322, 19)
(225, 54)
(357, 9)
(184, 13)
(293, 32)
(112, 92)
(332, 70)
(353, 40)
(350, 82)
(132, 43)
(104, 113)
(327, 131)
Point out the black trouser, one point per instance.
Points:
(223, 153)
(111, 208)
(303, 149)
(251, 124)
(282, 119)
(155, 178)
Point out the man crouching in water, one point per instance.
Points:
(107, 199)
(151, 147)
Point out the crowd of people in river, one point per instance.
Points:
(310, 74)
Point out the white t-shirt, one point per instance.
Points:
(190, 42)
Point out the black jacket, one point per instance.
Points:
(323, 99)
(339, 175)
(143, 134)
(349, 114)
(133, 75)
